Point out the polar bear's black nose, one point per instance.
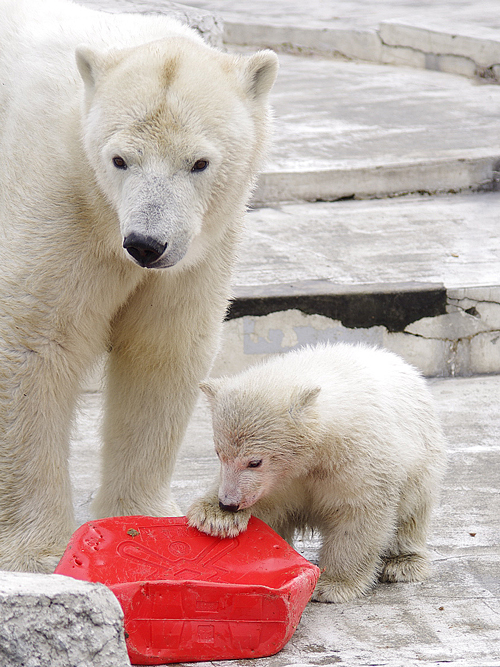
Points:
(229, 508)
(144, 249)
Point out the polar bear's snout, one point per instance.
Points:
(144, 249)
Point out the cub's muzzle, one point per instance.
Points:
(229, 508)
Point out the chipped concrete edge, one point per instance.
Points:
(50, 619)
(458, 336)
(393, 43)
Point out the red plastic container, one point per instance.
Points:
(187, 596)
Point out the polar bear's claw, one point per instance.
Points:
(210, 519)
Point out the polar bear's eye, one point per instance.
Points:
(255, 464)
(119, 162)
(200, 165)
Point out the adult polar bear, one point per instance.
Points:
(137, 154)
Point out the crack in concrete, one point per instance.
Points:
(456, 302)
(494, 611)
(456, 341)
(480, 71)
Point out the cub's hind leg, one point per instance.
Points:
(407, 559)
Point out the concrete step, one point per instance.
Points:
(351, 129)
(418, 275)
(471, 51)
(450, 36)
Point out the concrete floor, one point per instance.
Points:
(332, 113)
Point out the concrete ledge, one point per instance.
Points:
(483, 52)
(394, 43)
(55, 621)
(345, 42)
(433, 176)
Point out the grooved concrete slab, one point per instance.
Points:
(355, 129)
(452, 240)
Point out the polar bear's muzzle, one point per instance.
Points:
(144, 249)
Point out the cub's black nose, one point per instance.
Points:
(229, 508)
(144, 249)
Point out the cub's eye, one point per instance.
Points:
(254, 464)
(119, 162)
(200, 165)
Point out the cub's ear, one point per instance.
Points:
(210, 389)
(304, 399)
(259, 73)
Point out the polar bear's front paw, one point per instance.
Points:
(329, 589)
(42, 561)
(210, 519)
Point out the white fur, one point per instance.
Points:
(340, 439)
(78, 88)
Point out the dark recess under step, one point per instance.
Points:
(355, 306)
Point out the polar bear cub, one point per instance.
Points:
(340, 439)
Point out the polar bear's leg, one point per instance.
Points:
(37, 398)
(163, 341)
(351, 550)
(407, 558)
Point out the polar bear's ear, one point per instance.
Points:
(304, 399)
(260, 72)
(210, 388)
(91, 63)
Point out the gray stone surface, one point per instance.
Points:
(206, 23)
(55, 621)
(453, 240)
(354, 129)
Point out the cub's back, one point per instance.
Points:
(364, 390)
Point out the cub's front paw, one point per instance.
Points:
(330, 590)
(210, 519)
